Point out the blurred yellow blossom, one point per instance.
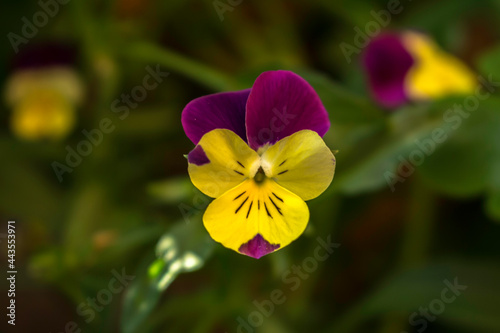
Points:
(436, 73)
(43, 102)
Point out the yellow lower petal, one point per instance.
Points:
(256, 218)
(435, 73)
(43, 114)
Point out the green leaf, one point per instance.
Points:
(370, 155)
(493, 205)
(185, 248)
(475, 306)
(148, 52)
(467, 163)
(489, 63)
(435, 17)
(172, 190)
(30, 190)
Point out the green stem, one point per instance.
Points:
(416, 242)
(415, 247)
(328, 209)
(419, 227)
(99, 58)
(176, 62)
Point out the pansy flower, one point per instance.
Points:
(410, 67)
(43, 92)
(260, 153)
(43, 102)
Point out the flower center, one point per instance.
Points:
(260, 176)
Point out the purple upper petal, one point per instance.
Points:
(258, 247)
(223, 110)
(280, 104)
(386, 63)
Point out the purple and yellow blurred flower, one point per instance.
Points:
(260, 153)
(43, 91)
(43, 102)
(411, 67)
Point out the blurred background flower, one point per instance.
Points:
(43, 92)
(43, 102)
(411, 67)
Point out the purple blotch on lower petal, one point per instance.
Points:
(387, 62)
(197, 156)
(258, 247)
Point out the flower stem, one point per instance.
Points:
(179, 63)
(416, 241)
(415, 247)
(419, 227)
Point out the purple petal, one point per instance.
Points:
(197, 156)
(223, 110)
(280, 104)
(386, 62)
(258, 247)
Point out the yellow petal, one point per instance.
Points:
(221, 161)
(301, 163)
(256, 218)
(44, 113)
(435, 73)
